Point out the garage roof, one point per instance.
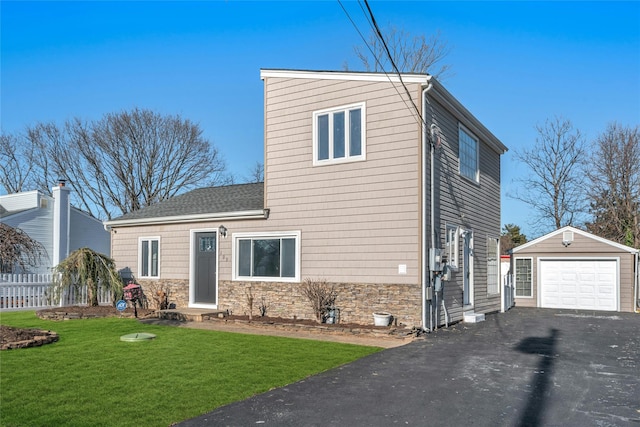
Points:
(577, 231)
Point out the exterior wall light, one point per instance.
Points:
(223, 231)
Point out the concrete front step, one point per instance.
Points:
(471, 317)
(190, 314)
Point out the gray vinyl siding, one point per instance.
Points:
(465, 203)
(359, 221)
(88, 232)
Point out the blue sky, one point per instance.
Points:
(515, 64)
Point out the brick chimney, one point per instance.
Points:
(61, 217)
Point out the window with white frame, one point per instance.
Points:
(339, 134)
(468, 154)
(451, 245)
(523, 277)
(493, 266)
(267, 256)
(149, 257)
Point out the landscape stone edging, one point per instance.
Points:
(47, 337)
(388, 332)
(70, 315)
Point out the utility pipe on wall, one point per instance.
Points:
(426, 280)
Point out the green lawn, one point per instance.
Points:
(91, 378)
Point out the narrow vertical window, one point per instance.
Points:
(493, 266)
(355, 132)
(338, 135)
(523, 277)
(468, 154)
(149, 257)
(451, 245)
(323, 137)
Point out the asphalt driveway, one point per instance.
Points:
(526, 367)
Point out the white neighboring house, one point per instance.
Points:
(52, 221)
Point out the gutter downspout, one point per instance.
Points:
(636, 306)
(426, 280)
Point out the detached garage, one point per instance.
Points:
(573, 269)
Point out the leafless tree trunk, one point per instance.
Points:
(412, 54)
(125, 161)
(555, 187)
(614, 189)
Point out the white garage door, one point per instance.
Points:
(579, 284)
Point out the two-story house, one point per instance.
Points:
(364, 173)
(53, 222)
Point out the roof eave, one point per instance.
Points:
(222, 216)
(575, 230)
(345, 75)
(442, 95)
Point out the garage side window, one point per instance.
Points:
(523, 277)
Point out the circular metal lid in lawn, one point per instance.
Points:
(140, 336)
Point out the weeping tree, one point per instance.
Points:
(18, 251)
(86, 267)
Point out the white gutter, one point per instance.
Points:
(223, 216)
(425, 260)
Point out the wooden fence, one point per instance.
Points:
(34, 291)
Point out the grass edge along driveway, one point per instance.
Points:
(90, 377)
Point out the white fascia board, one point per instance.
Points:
(577, 231)
(443, 96)
(346, 75)
(223, 216)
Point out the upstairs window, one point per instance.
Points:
(339, 134)
(468, 154)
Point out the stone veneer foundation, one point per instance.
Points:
(356, 301)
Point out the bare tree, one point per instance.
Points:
(16, 163)
(614, 188)
(126, 161)
(18, 251)
(555, 186)
(256, 174)
(411, 54)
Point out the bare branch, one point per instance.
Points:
(412, 54)
(555, 188)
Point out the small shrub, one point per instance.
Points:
(263, 307)
(160, 295)
(321, 296)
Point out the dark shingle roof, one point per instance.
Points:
(209, 200)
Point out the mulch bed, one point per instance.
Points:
(11, 337)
